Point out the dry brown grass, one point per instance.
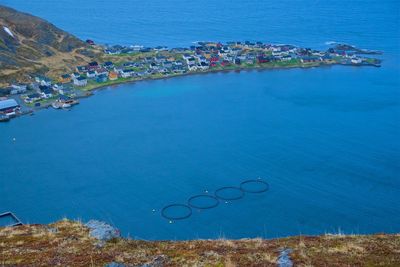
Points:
(68, 243)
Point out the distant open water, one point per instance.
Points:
(326, 139)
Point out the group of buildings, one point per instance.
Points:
(160, 62)
(18, 96)
(201, 57)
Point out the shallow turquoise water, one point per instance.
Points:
(326, 139)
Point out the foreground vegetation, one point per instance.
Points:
(68, 243)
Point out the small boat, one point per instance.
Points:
(74, 102)
(56, 105)
(65, 103)
(4, 118)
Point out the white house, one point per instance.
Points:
(101, 71)
(191, 61)
(91, 74)
(126, 73)
(43, 81)
(80, 81)
(356, 60)
(18, 89)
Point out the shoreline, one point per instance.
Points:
(91, 92)
(241, 69)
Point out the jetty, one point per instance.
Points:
(4, 118)
(11, 219)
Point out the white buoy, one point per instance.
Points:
(14, 139)
(170, 221)
(206, 191)
(153, 210)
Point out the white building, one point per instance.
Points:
(80, 81)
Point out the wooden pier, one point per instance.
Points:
(12, 216)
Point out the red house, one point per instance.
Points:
(263, 59)
(214, 59)
(225, 63)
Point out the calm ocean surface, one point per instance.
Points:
(326, 139)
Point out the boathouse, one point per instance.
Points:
(8, 106)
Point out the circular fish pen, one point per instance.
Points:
(206, 201)
(176, 212)
(254, 186)
(203, 202)
(229, 193)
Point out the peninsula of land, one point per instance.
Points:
(43, 66)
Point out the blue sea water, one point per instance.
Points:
(325, 139)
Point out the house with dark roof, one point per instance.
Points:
(89, 41)
(204, 65)
(82, 69)
(168, 64)
(126, 73)
(160, 59)
(112, 51)
(263, 59)
(91, 74)
(102, 78)
(18, 89)
(129, 64)
(46, 91)
(80, 81)
(154, 66)
(108, 65)
(102, 71)
(75, 75)
(93, 65)
(43, 80)
(65, 78)
(32, 98)
(309, 59)
(145, 49)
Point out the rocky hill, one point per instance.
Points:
(29, 45)
(68, 243)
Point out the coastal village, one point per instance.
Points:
(122, 64)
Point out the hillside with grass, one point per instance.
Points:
(30, 45)
(69, 243)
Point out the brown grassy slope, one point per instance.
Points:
(67, 243)
(37, 47)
